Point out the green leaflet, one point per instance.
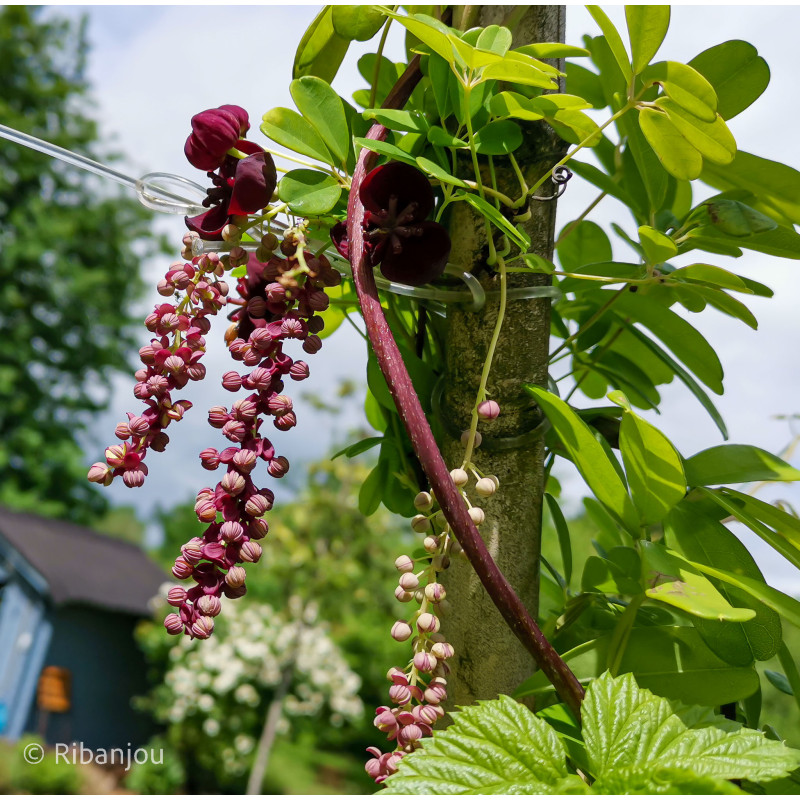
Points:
(321, 50)
(359, 23)
(587, 243)
(562, 531)
(323, 108)
(678, 157)
(613, 39)
(685, 86)
(288, 128)
(737, 463)
(647, 27)
(702, 538)
(498, 138)
(657, 246)
(308, 192)
(588, 456)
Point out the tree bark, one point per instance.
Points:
(489, 659)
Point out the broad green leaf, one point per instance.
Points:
(562, 531)
(677, 334)
(585, 83)
(497, 219)
(657, 246)
(442, 82)
(647, 165)
(702, 538)
(430, 34)
(737, 219)
(679, 158)
(498, 138)
(369, 496)
(588, 456)
(713, 140)
(779, 530)
(626, 727)
(671, 661)
(353, 450)
(435, 171)
(586, 243)
(617, 574)
(613, 39)
(647, 27)
(493, 747)
(737, 463)
(309, 192)
(360, 23)
(513, 104)
(386, 149)
(782, 241)
(776, 185)
(710, 275)
(495, 38)
(653, 466)
(288, 128)
(517, 72)
(387, 75)
(538, 263)
(398, 120)
(552, 50)
(440, 137)
(674, 581)
(571, 124)
(737, 73)
(720, 300)
(684, 376)
(321, 50)
(685, 86)
(786, 606)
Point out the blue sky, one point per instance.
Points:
(152, 67)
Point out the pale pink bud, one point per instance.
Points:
(279, 404)
(261, 339)
(431, 544)
(232, 381)
(244, 410)
(203, 627)
(402, 595)
(176, 596)
(192, 551)
(299, 370)
(244, 460)
(182, 569)
(206, 510)
(400, 694)
(258, 528)
(485, 487)
(425, 662)
(459, 476)
(209, 606)
(404, 564)
(217, 416)
(147, 354)
(250, 552)
(285, 422)
(401, 630)
(256, 506)
(115, 455)
(409, 734)
(209, 458)
(133, 478)
(231, 531)
(489, 409)
(435, 592)
(173, 624)
(100, 473)
(427, 623)
(235, 577)
(234, 430)
(122, 431)
(409, 581)
(443, 650)
(427, 715)
(260, 379)
(196, 371)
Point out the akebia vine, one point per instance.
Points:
(288, 253)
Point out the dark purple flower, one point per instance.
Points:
(241, 187)
(397, 198)
(214, 132)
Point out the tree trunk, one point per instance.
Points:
(489, 659)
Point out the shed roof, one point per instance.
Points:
(81, 566)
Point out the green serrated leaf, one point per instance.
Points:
(647, 27)
(309, 192)
(588, 456)
(737, 73)
(494, 747)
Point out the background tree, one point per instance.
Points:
(68, 271)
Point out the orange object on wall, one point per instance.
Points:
(54, 690)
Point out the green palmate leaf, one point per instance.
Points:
(495, 38)
(786, 606)
(647, 27)
(653, 466)
(321, 50)
(737, 73)
(517, 236)
(498, 138)
(513, 104)
(684, 86)
(613, 39)
(629, 728)
(517, 72)
(360, 23)
(737, 463)
(562, 531)
(777, 528)
(586, 243)
(704, 539)
(386, 149)
(671, 661)
(776, 186)
(684, 376)
(672, 580)
(713, 140)
(657, 246)
(710, 275)
(309, 192)
(494, 747)
(288, 128)
(435, 171)
(677, 334)
(679, 158)
(588, 455)
(353, 450)
(398, 120)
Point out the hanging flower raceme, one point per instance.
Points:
(410, 249)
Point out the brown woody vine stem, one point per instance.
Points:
(408, 406)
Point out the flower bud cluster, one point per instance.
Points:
(279, 302)
(418, 691)
(170, 361)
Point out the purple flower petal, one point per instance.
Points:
(400, 185)
(422, 258)
(214, 132)
(254, 181)
(209, 224)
